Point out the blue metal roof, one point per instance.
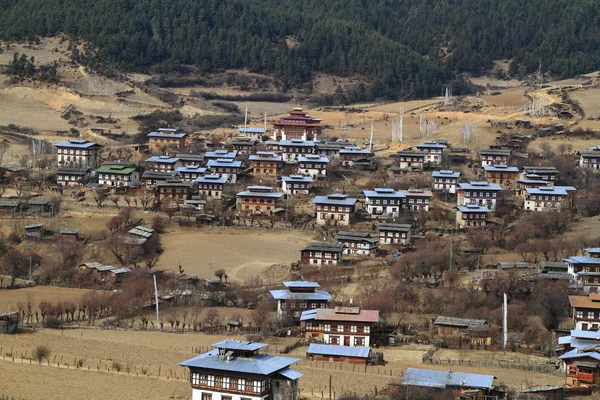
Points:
(338, 351)
(445, 174)
(76, 144)
(260, 364)
(592, 249)
(308, 315)
(480, 186)
(431, 145)
(167, 135)
(473, 208)
(191, 168)
(251, 130)
(163, 159)
(220, 154)
(264, 157)
(242, 345)
(582, 260)
(287, 295)
(224, 163)
(547, 190)
(274, 195)
(441, 379)
(297, 178)
(340, 200)
(354, 150)
(303, 143)
(500, 168)
(383, 192)
(301, 284)
(290, 374)
(576, 354)
(313, 158)
(212, 178)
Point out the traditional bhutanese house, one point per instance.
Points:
(350, 155)
(39, 205)
(118, 176)
(530, 181)
(34, 231)
(462, 385)
(434, 151)
(211, 185)
(589, 159)
(117, 275)
(459, 155)
(471, 216)
(166, 138)
(411, 160)
(265, 163)
(186, 159)
(313, 165)
(175, 189)
(334, 209)
(585, 269)
(226, 167)
(244, 145)
(579, 339)
(69, 234)
(189, 173)
(501, 174)
(548, 174)
(357, 243)
(298, 125)
(476, 331)
(332, 150)
(72, 176)
(553, 267)
(445, 181)
(151, 178)
(257, 200)
(299, 296)
(383, 202)
(394, 234)
(582, 366)
(220, 154)
(235, 369)
(330, 352)
(9, 322)
(548, 198)
(347, 326)
(494, 157)
(416, 199)
(252, 132)
(292, 149)
(296, 184)
(586, 311)
(8, 206)
(480, 193)
(161, 164)
(320, 253)
(77, 154)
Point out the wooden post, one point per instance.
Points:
(330, 378)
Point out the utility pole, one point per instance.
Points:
(330, 387)
(371, 139)
(30, 268)
(246, 122)
(504, 320)
(265, 124)
(156, 301)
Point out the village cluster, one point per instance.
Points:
(294, 165)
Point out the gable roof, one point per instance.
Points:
(462, 322)
(260, 364)
(441, 379)
(339, 351)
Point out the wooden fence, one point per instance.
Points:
(542, 368)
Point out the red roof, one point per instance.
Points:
(328, 314)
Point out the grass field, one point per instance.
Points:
(242, 253)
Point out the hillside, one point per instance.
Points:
(402, 49)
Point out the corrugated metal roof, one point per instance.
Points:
(261, 364)
(480, 186)
(321, 246)
(470, 323)
(500, 168)
(225, 163)
(243, 345)
(338, 351)
(441, 379)
(379, 192)
(76, 144)
(301, 284)
(335, 199)
(287, 295)
(395, 227)
(212, 178)
(308, 315)
(445, 174)
(328, 314)
(162, 159)
(297, 178)
(290, 374)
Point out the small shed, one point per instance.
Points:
(329, 352)
(118, 274)
(9, 322)
(34, 231)
(71, 234)
(90, 266)
(8, 206)
(38, 205)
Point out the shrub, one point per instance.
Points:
(41, 352)
(117, 366)
(53, 323)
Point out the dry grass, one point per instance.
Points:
(589, 100)
(242, 253)
(9, 299)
